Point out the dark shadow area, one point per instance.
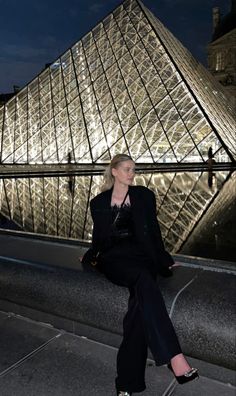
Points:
(8, 224)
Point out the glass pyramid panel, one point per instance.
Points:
(127, 86)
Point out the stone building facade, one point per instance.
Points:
(222, 49)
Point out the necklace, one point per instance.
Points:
(119, 200)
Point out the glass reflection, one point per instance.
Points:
(59, 206)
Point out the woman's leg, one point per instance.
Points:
(160, 333)
(153, 316)
(132, 354)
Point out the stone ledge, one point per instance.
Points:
(201, 305)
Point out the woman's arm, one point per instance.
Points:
(90, 255)
(95, 233)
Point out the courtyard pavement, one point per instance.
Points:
(39, 360)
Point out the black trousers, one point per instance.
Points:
(146, 323)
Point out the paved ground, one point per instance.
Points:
(38, 360)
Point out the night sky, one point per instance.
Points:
(33, 32)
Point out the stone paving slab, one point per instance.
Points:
(19, 337)
(205, 387)
(37, 360)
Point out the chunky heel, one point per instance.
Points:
(187, 377)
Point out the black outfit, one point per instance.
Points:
(132, 253)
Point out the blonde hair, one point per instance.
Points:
(108, 178)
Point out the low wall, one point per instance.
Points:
(199, 300)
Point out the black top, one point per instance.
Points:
(121, 222)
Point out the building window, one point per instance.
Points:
(220, 61)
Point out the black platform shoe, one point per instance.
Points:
(123, 393)
(187, 377)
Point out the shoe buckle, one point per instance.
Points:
(123, 393)
(190, 372)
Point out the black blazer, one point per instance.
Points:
(146, 227)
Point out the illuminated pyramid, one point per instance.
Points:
(128, 86)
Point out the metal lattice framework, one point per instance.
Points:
(128, 86)
(59, 206)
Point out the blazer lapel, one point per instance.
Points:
(138, 210)
(107, 208)
(107, 198)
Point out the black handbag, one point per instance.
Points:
(90, 259)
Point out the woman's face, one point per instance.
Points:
(125, 172)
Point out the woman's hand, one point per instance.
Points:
(176, 264)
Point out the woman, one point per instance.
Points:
(128, 247)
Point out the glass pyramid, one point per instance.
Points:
(128, 86)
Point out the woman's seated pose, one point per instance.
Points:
(128, 248)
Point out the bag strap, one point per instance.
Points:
(124, 199)
(121, 206)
